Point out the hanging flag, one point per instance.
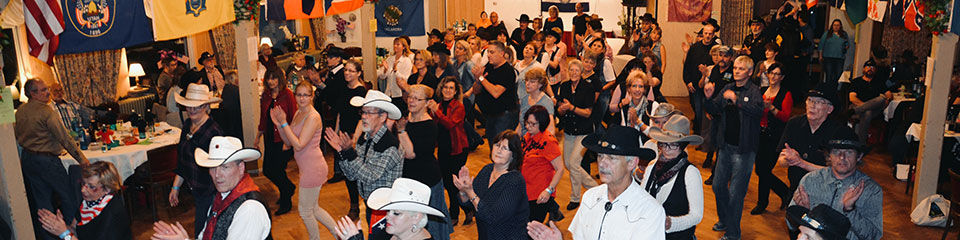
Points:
(876, 9)
(856, 10)
(399, 17)
(44, 22)
(303, 9)
(912, 17)
(93, 25)
(175, 19)
(896, 13)
(811, 4)
(341, 6)
(564, 5)
(836, 3)
(954, 22)
(275, 10)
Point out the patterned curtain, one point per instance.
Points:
(90, 78)
(735, 21)
(225, 46)
(319, 32)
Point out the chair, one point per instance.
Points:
(954, 202)
(157, 173)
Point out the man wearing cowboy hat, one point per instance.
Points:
(803, 135)
(330, 86)
(376, 160)
(753, 44)
(43, 137)
(212, 75)
(238, 209)
(521, 35)
(843, 187)
(672, 180)
(619, 208)
(821, 223)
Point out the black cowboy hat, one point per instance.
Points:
(826, 92)
(829, 223)
(618, 140)
(846, 138)
(438, 48)
(757, 20)
(713, 22)
(553, 32)
(336, 52)
(204, 57)
(524, 18)
(436, 33)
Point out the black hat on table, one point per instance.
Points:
(618, 140)
(829, 223)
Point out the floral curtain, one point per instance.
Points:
(319, 32)
(225, 46)
(90, 78)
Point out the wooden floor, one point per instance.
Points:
(769, 225)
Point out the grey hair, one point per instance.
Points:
(423, 220)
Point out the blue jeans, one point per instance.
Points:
(734, 169)
(867, 111)
(499, 123)
(832, 68)
(45, 179)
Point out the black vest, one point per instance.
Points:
(226, 218)
(677, 203)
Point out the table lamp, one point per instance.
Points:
(136, 71)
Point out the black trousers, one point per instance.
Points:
(450, 165)
(46, 180)
(275, 161)
(766, 159)
(538, 212)
(351, 185)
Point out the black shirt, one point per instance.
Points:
(808, 145)
(731, 133)
(584, 97)
(757, 45)
(519, 39)
(580, 24)
(430, 80)
(720, 79)
(868, 90)
(349, 115)
(505, 77)
(424, 167)
(698, 54)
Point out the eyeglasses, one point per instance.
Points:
(302, 95)
(670, 146)
(847, 153)
(413, 99)
(821, 102)
(362, 112)
(531, 123)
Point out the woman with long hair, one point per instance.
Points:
(304, 136)
(760, 76)
(833, 51)
(452, 145)
(498, 192)
(348, 117)
(422, 63)
(463, 63)
(777, 103)
(654, 77)
(656, 35)
(394, 69)
(276, 153)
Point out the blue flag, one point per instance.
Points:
(399, 17)
(94, 25)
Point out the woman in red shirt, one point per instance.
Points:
(542, 165)
(448, 110)
(777, 104)
(276, 154)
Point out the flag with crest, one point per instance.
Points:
(180, 18)
(94, 25)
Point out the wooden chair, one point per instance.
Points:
(156, 174)
(954, 202)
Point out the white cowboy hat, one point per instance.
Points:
(676, 129)
(196, 95)
(405, 195)
(224, 150)
(379, 100)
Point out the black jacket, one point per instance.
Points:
(750, 105)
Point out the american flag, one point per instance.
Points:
(44, 21)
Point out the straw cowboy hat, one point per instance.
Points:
(379, 100)
(224, 150)
(618, 140)
(196, 95)
(676, 129)
(405, 195)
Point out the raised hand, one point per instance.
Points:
(338, 140)
(278, 116)
(346, 228)
(708, 89)
(53, 223)
(538, 231)
(851, 195)
(730, 95)
(463, 181)
(166, 231)
(801, 198)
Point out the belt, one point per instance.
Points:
(41, 153)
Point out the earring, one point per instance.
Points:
(413, 229)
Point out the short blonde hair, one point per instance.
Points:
(107, 173)
(424, 90)
(636, 75)
(539, 75)
(576, 63)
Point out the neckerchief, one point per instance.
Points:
(91, 209)
(219, 204)
(663, 171)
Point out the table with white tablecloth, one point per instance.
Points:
(891, 108)
(128, 158)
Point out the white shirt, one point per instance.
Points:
(634, 215)
(402, 71)
(251, 221)
(608, 74)
(694, 197)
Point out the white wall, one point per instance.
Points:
(673, 36)
(510, 10)
(416, 42)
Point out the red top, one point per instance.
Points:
(285, 101)
(452, 120)
(786, 106)
(538, 151)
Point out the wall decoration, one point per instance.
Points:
(170, 20)
(343, 29)
(93, 25)
(400, 17)
(689, 10)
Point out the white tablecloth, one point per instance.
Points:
(892, 107)
(127, 158)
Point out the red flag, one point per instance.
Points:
(912, 16)
(811, 4)
(44, 21)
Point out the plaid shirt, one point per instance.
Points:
(69, 111)
(196, 177)
(380, 164)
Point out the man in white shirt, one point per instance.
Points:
(620, 208)
(239, 212)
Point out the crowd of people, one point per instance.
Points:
(400, 146)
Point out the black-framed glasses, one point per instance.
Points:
(362, 112)
(671, 146)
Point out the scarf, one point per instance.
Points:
(219, 204)
(91, 209)
(663, 171)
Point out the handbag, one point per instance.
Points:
(932, 211)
